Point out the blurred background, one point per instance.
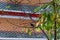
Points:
(10, 26)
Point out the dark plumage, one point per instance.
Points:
(32, 24)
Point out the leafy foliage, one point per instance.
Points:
(48, 17)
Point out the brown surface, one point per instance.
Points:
(30, 2)
(6, 26)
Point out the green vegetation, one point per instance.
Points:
(49, 22)
(50, 19)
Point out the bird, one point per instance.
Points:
(36, 24)
(32, 24)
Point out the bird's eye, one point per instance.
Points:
(32, 24)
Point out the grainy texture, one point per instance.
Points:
(6, 26)
(9, 30)
(29, 2)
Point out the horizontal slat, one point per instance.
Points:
(17, 13)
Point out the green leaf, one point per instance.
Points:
(28, 31)
(37, 9)
(57, 1)
(38, 29)
(48, 17)
(58, 9)
(48, 25)
(7, 6)
(40, 7)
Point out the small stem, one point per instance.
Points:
(44, 33)
(28, 14)
(55, 33)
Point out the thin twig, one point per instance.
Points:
(44, 33)
(55, 33)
